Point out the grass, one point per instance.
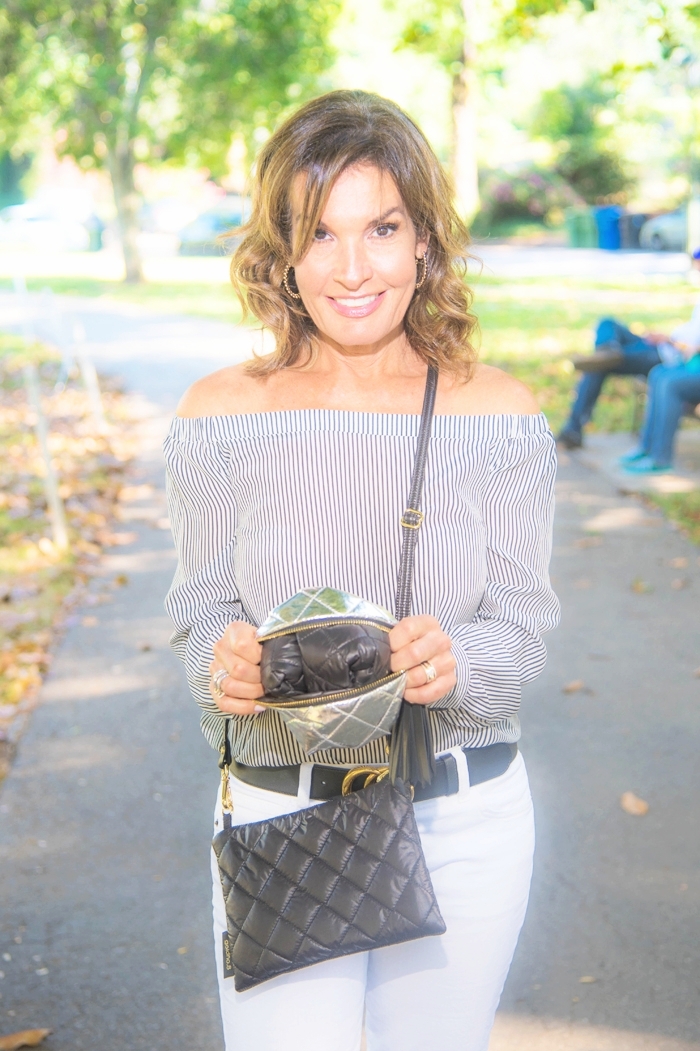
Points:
(683, 508)
(213, 300)
(531, 327)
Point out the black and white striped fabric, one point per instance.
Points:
(265, 504)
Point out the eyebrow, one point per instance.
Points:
(379, 220)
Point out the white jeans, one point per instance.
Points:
(434, 994)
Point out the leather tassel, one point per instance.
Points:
(412, 756)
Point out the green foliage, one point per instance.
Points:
(570, 118)
(529, 194)
(683, 508)
(521, 20)
(438, 29)
(172, 76)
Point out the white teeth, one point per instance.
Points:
(356, 302)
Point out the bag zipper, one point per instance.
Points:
(324, 622)
(312, 700)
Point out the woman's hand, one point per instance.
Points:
(238, 652)
(418, 639)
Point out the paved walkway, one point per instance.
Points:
(104, 820)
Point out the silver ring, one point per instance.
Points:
(430, 673)
(216, 681)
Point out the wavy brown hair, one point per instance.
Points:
(322, 139)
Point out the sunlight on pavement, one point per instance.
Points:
(513, 1033)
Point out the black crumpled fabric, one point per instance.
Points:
(324, 659)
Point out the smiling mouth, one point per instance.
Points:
(356, 306)
(360, 301)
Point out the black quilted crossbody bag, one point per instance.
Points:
(347, 874)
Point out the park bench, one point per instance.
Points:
(639, 391)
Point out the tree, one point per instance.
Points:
(443, 29)
(146, 80)
(569, 117)
(454, 32)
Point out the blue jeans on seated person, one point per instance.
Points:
(639, 358)
(670, 393)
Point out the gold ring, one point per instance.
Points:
(216, 681)
(430, 673)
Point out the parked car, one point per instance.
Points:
(665, 233)
(36, 225)
(206, 235)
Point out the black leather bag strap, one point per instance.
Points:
(412, 518)
(412, 755)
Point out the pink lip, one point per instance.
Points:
(363, 311)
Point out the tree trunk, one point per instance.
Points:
(464, 92)
(120, 161)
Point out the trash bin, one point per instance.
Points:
(581, 228)
(608, 222)
(630, 225)
(95, 228)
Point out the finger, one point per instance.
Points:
(424, 648)
(237, 667)
(433, 691)
(243, 642)
(411, 628)
(238, 706)
(443, 663)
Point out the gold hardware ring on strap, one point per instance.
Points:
(412, 519)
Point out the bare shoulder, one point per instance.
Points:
(227, 392)
(489, 392)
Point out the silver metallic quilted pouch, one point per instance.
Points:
(326, 668)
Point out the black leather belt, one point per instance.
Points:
(326, 781)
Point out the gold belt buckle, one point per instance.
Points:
(372, 775)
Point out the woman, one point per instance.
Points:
(293, 471)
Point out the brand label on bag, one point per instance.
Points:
(228, 955)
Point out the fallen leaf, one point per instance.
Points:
(182, 950)
(574, 686)
(587, 979)
(121, 580)
(25, 1038)
(128, 493)
(679, 583)
(589, 541)
(89, 622)
(110, 539)
(678, 563)
(145, 647)
(696, 673)
(640, 587)
(632, 804)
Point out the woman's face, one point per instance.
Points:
(357, 279)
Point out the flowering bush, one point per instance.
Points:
(528, 194)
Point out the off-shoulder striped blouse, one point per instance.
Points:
(265, 504)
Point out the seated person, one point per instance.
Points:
(619, 352)
(671, 391)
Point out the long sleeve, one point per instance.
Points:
(502, 648)
(203, 599)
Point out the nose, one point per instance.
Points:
(352, 266)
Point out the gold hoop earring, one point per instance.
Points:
(285, 282)
(425, 271)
